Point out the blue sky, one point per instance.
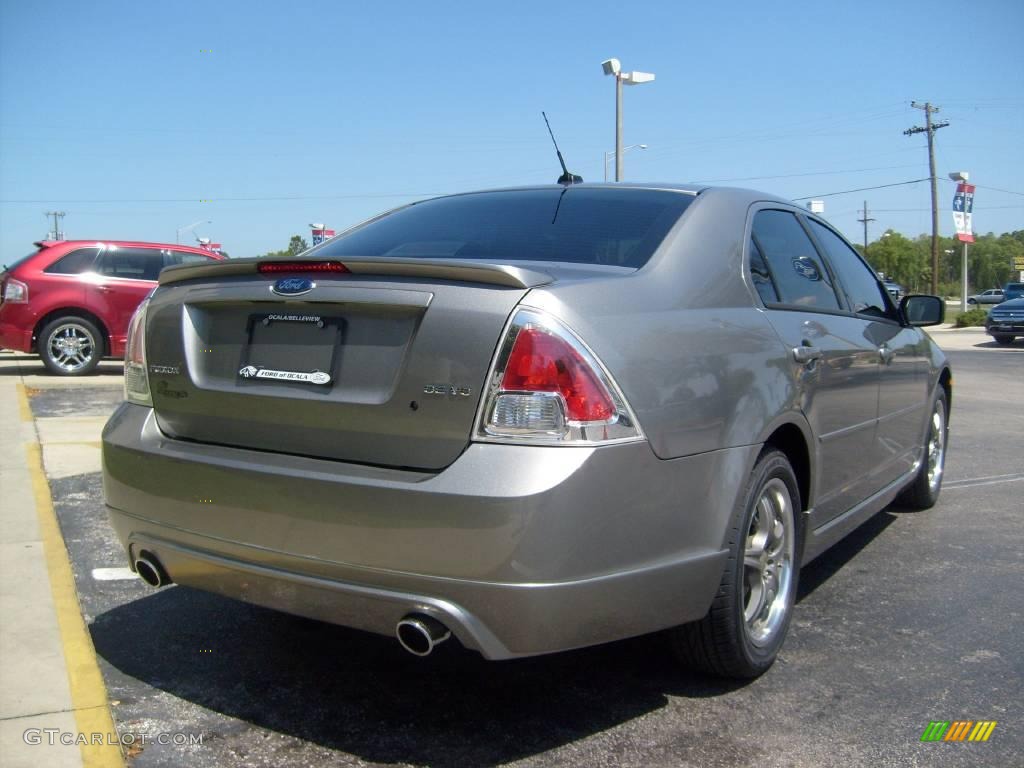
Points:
(332, 111)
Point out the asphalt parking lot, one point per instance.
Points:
(913, 618)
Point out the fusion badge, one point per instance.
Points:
(313, 377)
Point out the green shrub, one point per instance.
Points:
(971, 317)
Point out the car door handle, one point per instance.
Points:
(806, 354)
(103, 288)
(886, 354)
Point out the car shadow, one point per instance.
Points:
(1017, 343)
(361, 694)
(31, 365)
(834, 559)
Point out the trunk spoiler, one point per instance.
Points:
(438, 269)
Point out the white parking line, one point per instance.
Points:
(113, 574)
(990, 480)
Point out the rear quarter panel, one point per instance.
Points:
(699, 363)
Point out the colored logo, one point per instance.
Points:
(958, 730)
(293, 286)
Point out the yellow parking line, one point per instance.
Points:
(88, 692)
(24, 410)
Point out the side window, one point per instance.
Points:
(74, 263)
(187, 257)
(800, 278)
(762, 276)
(131, 263)
(862, 287)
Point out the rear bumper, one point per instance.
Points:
(16, 323)
(518, 550)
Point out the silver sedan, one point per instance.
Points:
(530, 419)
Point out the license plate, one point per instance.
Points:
(292, 348)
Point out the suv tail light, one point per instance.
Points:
(136, 378)
(15, 291)
(547, 387)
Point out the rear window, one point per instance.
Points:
(616, 227)
(74, 263)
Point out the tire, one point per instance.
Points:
(924, 491)
(972, 302)
(70, 346)
(1003, 338)
(759, 581)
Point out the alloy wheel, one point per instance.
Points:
(768, 563)
(71, 347)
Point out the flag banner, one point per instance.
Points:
(963, 203)
(319, 235)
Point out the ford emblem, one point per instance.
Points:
(293, 286)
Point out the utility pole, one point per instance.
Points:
(930, 128)
(57, 234)
(864, 220)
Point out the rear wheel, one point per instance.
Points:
(70, 346)
(924, 491)
(1003, 338)
(743, 631)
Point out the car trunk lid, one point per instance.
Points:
(381, 365)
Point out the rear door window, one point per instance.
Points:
(131, 263)
(74, 263)
(798, 274)
(762, 276)
(865, 293)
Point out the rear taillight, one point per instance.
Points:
(547, 387)
(276, 267)
(136, 378)
(15, 291)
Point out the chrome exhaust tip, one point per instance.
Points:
(419, 634)
(150, 571)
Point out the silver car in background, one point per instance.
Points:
(535, 419)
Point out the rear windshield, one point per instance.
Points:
(616, 227)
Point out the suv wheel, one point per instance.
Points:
(1003, 338)
(743, 631)
(70, 346)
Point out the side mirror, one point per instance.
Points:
(923, 310)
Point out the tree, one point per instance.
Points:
(295, 246)
(908, 262)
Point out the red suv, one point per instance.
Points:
(71, 300)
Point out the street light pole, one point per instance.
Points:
(618, 126)
(609, 155)
(614, 67)
(177, 233)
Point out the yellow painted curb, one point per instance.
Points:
(24, 409)
(88, 692)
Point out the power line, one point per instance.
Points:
(861, 189)
(229, 199)
(994, 189)
(795, 175)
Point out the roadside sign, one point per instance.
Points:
(1018, 263)
(319, 235)
(963, 203)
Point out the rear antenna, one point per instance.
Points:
(566, 178)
